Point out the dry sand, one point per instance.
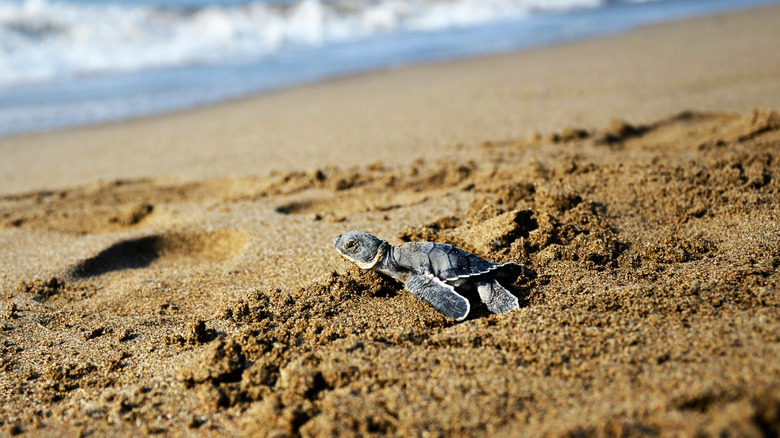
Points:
(176, 275)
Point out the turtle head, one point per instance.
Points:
(363, 249)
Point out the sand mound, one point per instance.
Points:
(649, 299)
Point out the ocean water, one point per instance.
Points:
(73, 62)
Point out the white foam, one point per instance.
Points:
(42, 40)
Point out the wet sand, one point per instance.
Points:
(176, 275)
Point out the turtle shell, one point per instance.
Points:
(446, 262)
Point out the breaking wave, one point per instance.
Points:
(41, 40)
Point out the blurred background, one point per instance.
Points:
(73, 62)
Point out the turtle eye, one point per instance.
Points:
(352, 245)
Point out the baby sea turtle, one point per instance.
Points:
(432, 271)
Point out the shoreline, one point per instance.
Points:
(92, 99)
(419, 111)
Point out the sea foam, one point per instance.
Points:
(74, 62)
(42, 40)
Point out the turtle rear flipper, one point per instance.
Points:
(496, 297)
(439, 295)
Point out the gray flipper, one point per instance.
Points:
(439, 295)
(496, 297)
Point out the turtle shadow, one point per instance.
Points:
(388, 292)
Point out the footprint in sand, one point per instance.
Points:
(164, 250)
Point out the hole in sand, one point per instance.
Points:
(164, 249)
(295, 207)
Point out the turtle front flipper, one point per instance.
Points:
(439, 295)
(496, 297)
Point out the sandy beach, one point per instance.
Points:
(176, 275)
